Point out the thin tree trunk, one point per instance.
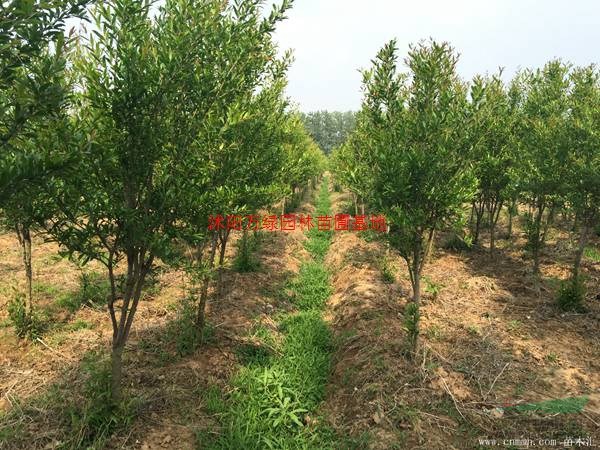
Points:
(575, 222)
(417, 301)
(479, 210)
(537, 243)
(224, 237)
(494, 215)
(24, 236)
(201, 314)
(583, 238)
(138, 267)
(511, 210)
(116, 372)
(549, 222)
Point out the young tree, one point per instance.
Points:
(155, 90)
(420, 168)
(545, 150)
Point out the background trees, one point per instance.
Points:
(584, 159)
(34, 97)
(329, 129)
(490, 137)
(545, 146)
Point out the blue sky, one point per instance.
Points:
(333, 39)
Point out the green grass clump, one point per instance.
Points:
(311, 288)
(245, 260)
(28, 324)
(387, 271)
(183, 330)
(459, 244)
(592, 253)
(571, 294)
(251, 354)
(568, 405)
(94, 291)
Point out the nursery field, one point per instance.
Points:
(498, 360)
(191, 259)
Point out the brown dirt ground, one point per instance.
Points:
(487, 340)
(171, 388)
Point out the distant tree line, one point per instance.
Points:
(329, 129)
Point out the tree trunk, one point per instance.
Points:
(24, 235)
(417, 301)
(583, 238)
(139, 263)
(116, 372)
(283, 206)
(537, 243)
(415, 270)
(223, 238)
(494, 215)
(549, 222)
(355, 201)
(479, 210)
(201, 314)
(511, 209)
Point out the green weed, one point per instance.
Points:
(592, 253)
(245, 260)
(312, 288)
(28, 324)
(571, 294)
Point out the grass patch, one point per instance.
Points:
(311, 288)
(80, 414)
(79, 324)
(245, 260)
(571, 294)
(458, 244)
(274, 394)
(94, 290)
(568, 405)
(592, 253)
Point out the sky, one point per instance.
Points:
(333, 39)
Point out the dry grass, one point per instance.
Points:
(488, 340)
